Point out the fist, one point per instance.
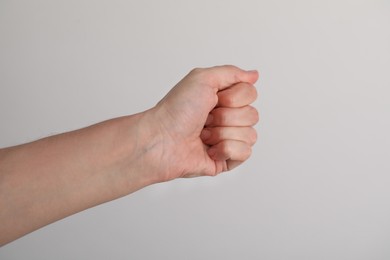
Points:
(206, 122)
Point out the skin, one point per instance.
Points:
(202, 127)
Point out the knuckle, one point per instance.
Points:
(247, 153)
(252, 136)
(196, 70)
(253, 93)
(255, 114)
(229, 67)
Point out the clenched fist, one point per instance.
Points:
(206, 122)
(202, 127)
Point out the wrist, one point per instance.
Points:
(136, 150)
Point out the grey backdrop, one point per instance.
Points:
(317, 185)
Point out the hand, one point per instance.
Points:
(202, 127)
(205, 123)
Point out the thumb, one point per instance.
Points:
(225, 76)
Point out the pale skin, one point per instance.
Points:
(202, 127)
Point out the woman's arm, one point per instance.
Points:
(46, 180)
(202, 127)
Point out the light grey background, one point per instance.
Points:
(317, 185)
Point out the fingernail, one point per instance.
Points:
(252, 71)
(205, 134)
(209, 119)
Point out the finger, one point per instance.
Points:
(223, 166)
(214, 135)
(239, 95)
(231, 164)
(223, 116)
(225, 76)
(230, 150)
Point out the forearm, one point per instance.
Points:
(55, 177)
